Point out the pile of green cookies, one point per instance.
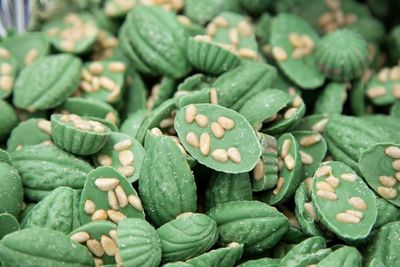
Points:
(201, 133)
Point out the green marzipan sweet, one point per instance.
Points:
(312, 147)
(302, 71)
(89, 107)
(166, 183)
(100, 231)
(289, 171)
(263, 262)
(344, 256)
(387, 213)
(45, 167)
(210, 57)
(35, 91)
(221, 257)
(304, 210)
(133, 151)
(27, 47)
(138, 243)
(348, 136)
(225, 187)
(342, 201)
(5, 157)
(342, 55)
(156, 40)
(188, 236)
(236, 86)
(30, 247)
(19, 139)
(110, 75)
(8, 119)
(263, 105)
(331, 99)
(132, 123)
(79, 136)
(8, 73)
(58, 211)
(237, 134)
(109, 191)
(61, 31)
(11, 192)
(265, 174)
(310, 251)
(8, 224)
(254, 224)
(379, 167)
(384, 246)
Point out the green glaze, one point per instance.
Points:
(135, 93)
(194, 82)
(35, 91)
(304, 210)
(225, 187)
(5, 157)
(236, 86)
(210, 57)
(166, 183)
(154, 119)
(348, 136)
(28, 47)
(138, 243)
(265, 174)
(30, 247)
(89, 107)
(287, 119)
(108, 198)
(342, 55)
(8, 71)
(383, 87)
(8, 224)
(106, 82)
(11, 193)
(132, 123)
(188, 236)
(202, 11)
(378, 165)
(241, 136)
(77, 135)
(99, 231)
(310, 251)
(74, 33)
(344, 256)
(331, 99)
(8, 120)
(130, 168)
(342, 201)
(289, 171)
(19, 139)
(221, 257)
(154, 32)
(302, 71)
(263, 262)
(387, 213)
(264, 105)
(311, 144)
(44, 167)
(383, 248)
(161, 92)
(62, 202)
(256, 225)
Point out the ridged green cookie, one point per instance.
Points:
(35, 91)
(166, 183)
